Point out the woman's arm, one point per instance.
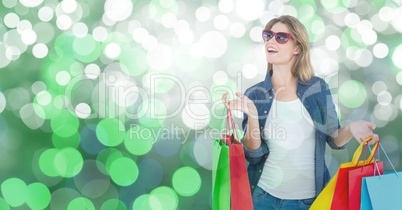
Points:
(252, 139)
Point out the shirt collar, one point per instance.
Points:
(268, 83)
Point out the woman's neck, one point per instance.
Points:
(282, 77)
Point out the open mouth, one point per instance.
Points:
(272, 50)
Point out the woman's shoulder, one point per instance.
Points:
(260, 86)
(314, 80)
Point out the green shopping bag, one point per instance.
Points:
(231, 189)
(220, 176)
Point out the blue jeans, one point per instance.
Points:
(264, 201)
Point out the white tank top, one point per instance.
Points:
(290, 134)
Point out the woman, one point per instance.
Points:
(288, 118)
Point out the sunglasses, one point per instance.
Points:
(280, 37)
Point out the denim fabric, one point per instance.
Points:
(317, 99)
(265, 201)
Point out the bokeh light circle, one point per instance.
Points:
(249, 71)
(68, 162)
(220, 77)
(151, 173)
(31, 3)
(80, 30)
(380, 50)
(81, 203)
(64, 124)
(3, 204)
(385, 113)
(63, 78)
(221, 22)
(2, 102)
(352, 94)
(186, 181)
(92, 71)
(118, 10)
(63, 22)
(40, 50)
(100, 34)
(139, 140)
(202, 14)
(62, 197)
(123, 171)
(384, 98)
(38, 196)
(142, 202)
(332, 42)
(398, 78)
(202, 149)
(364, 58)
(45, 14)
(160, 58)
(112, 50)
(163, 198)
(83, 110)
(64, 142)
(46, 162)
(152, 113)
(11, 20)
(397, 55)
(86, 49)
(378, 87)
(31, 115)
(214, 44)
(91, 182)
(110, 132)
(196, 116)
(14, 191)
(68, 6)
(237, 30)
(250, 10)
(115, 204)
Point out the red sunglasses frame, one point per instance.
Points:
(276, 38)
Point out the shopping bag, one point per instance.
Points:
(231, 188)
(349, 180)
(355, 183)
(240, 193)
(220, 176)
(382, 191)
(325, 199)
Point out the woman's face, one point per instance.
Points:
(278, 54)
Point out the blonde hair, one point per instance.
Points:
(302, 66)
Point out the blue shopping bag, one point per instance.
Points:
(382, 192)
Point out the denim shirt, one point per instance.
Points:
(317, 99)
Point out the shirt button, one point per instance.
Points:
(270, 97)
(262, 127)
(252, 186)
(260, 171)
(265, 111)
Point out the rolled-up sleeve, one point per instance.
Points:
(331, 119)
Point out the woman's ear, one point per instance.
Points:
(297, 50)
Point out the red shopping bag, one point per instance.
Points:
(240, 193)
(355, 182)
(348, 185)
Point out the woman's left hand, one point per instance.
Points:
(362, 130)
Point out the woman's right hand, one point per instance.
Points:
(243, 104)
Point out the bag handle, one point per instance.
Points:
(392, 165)
(230, 120)
(358, 152)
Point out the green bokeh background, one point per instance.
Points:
(113, 104)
